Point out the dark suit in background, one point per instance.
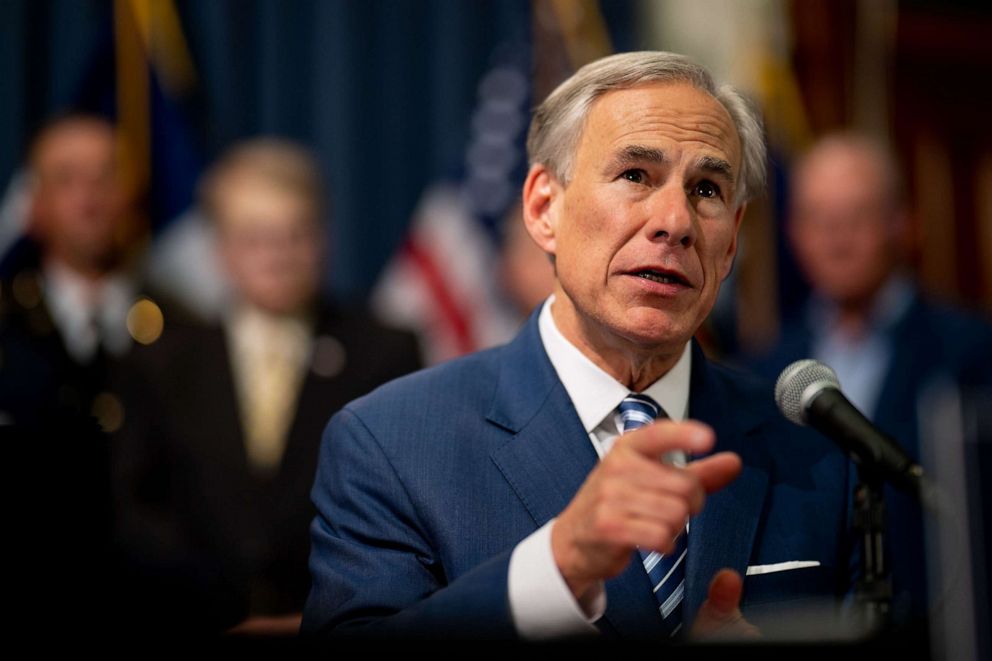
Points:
(56, 412)
(210, 539)
(67, 315)
(42, 381)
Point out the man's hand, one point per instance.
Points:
(268, 626)
(720, 618)
(632, 499)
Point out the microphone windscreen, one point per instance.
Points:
(793, 387)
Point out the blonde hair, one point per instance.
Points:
(284, 164)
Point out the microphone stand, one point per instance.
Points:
(873, 592)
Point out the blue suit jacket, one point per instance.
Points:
(425, 486)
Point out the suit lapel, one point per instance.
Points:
(548, 459)
(549, 454)
(722, 535)
(212, 391)
(911, 363)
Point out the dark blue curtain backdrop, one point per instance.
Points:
(382, 90)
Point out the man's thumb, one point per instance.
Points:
(725, 593)
(720, 616)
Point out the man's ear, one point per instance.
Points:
(731, 256)
(541, 198)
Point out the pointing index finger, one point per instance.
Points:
(664, 436)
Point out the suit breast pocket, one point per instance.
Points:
(794, 602)
(787, 582)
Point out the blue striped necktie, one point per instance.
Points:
(666, 571)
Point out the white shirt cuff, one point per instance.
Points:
(541, 604)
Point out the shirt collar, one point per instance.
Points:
(889, 306)
(594, 393)
(256, 331)
(69, 295)
(88, 311)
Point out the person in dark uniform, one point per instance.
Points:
(218, 450)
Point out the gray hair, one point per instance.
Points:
(557, 124)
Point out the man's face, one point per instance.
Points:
(844, 226)
(270, 243)
(79, 202)
(647, 228)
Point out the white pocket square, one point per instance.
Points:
(754, 570)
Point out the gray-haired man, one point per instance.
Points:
(505, 494)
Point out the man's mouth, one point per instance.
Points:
(665, 278)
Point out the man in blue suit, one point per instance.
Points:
(514, 492)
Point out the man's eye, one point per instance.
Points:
(634, 176)
(707, 189)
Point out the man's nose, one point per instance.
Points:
(671, 217)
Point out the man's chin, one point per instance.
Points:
(655, 338)
(281, 305)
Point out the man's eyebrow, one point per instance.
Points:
(715, 165)
(633, 154)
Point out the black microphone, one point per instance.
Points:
(808, 393)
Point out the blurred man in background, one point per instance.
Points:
(866, 318)
(69, 311)
(65, 307)
(217, 455)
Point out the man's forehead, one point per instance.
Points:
(252, 196)
(75, 140)
(840, 160)
(840, 171)
(675, 114)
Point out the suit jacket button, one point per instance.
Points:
(329, 357)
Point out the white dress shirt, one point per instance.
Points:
(89, 313)
(541, 604)
(861, 361)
